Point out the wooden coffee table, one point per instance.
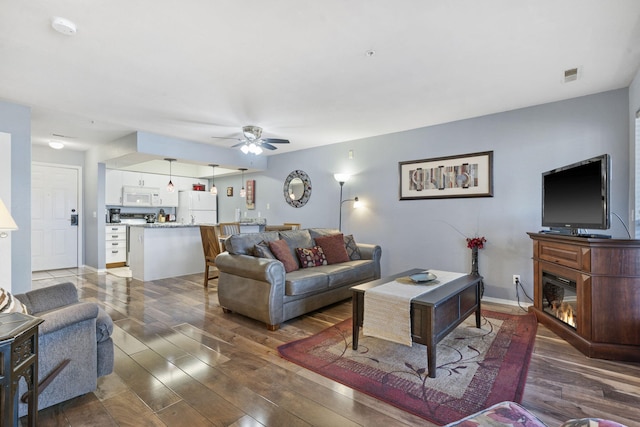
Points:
(433, 315)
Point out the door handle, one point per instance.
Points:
(74, 219)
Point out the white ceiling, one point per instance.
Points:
(195, 69)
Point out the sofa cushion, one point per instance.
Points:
(352, 272)
(282, 253)
(10, 304)
(333, 247)
(352, 248)
(311, 257)
(297, 239)
(261, 250)
(243, 243)
(319, 232)
(306, 280)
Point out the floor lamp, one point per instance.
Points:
(342, 178)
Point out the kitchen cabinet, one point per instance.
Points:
(113, 187)
(136, 179)
(116, 179)
(116, 245)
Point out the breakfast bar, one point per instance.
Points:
(162, 250)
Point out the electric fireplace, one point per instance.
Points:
(559, 298)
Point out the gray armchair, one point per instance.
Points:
(74, 344)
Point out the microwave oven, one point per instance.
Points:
(140, 196)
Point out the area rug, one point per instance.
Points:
(476, 368)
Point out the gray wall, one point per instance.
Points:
(421, 233)
(16, 120)
(424, 233)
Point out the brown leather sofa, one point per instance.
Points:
(260, 288)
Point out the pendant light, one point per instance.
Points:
(170, 186)
(243, 192)
(213, 190)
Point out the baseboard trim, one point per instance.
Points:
(507, 302)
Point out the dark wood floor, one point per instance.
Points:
(180, 361)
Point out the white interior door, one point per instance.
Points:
(54, 201)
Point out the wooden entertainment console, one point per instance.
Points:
(606, 273)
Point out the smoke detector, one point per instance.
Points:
(63, 26)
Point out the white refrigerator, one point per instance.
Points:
(197, 207)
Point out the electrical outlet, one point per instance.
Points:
(516, 279)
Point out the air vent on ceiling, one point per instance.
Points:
(570, 75)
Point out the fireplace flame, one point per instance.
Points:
(565, 312)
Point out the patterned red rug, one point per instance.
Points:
(476, 368)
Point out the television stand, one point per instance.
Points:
(605, 275)
(574, 233)
(593, 236)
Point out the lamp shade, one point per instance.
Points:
(6, 221)
(341, 177)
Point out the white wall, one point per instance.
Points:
(421, 233)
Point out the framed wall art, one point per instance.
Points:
(251, 194)
(466, 175)
(229, 191)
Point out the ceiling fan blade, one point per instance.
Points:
(241, 143)
(226, 137)
(268, 146)
(275, 141)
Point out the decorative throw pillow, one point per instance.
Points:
(261, 250)
(9, 304)
(352, 248)
(282, 253)
(311, 257)
(333, 247)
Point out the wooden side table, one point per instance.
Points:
(18, 358)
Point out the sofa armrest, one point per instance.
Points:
(261, 269)
(61, 318)
(369, 251)
(372, 252)
(49, 298)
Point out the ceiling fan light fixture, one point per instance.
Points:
(245, 149)
(252, 133)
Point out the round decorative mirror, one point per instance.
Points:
(297, 189)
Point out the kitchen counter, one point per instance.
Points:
(164, 225)
(163, 250)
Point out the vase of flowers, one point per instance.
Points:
(474, 244)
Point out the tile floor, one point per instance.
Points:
(41, 279)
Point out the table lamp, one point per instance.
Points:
(6, 221)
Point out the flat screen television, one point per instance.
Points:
(576, 196)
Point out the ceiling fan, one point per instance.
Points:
(253, 141)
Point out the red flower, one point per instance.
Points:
(476, 242)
